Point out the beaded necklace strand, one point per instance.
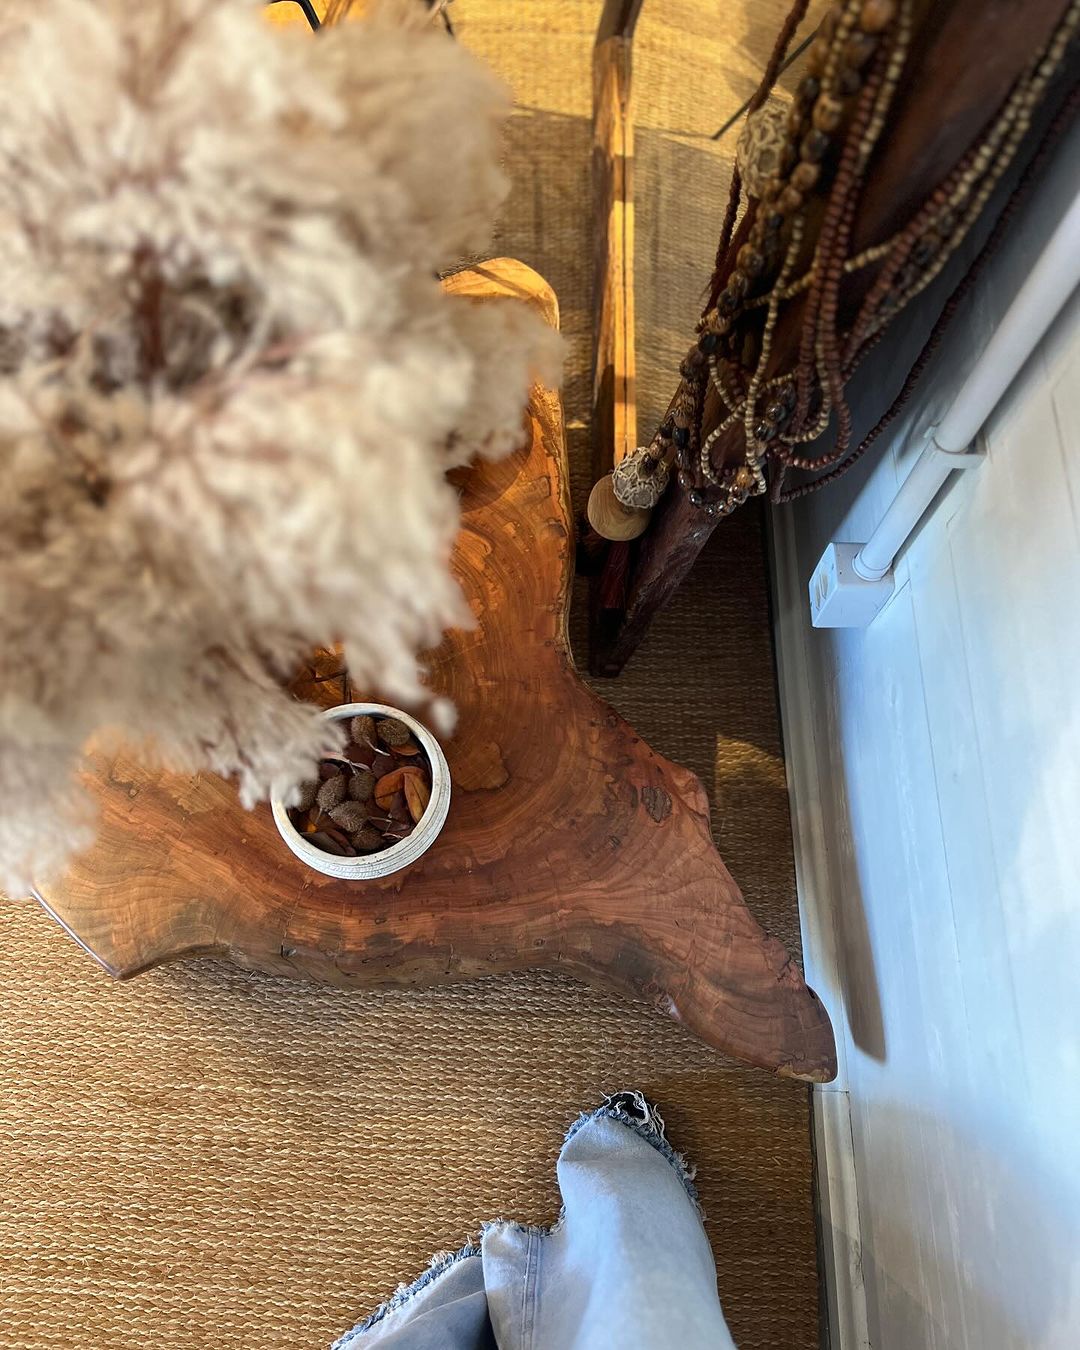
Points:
(838, 115)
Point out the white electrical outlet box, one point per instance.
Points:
(839, 597)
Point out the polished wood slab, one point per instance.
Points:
(570, 843)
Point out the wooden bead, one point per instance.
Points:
(805, 175)
(736, 284)
(831, 22)
(858, 49)
(828, 112)
(818, 56)
(795, 119)
(848, 81)
(727, 303)
(750, 261)
(775, 412)
(790, 201)
(813, 146)
(876, 15)
(744, 478)
(808, 89)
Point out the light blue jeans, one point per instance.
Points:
(626, 1267)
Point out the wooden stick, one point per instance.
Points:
(614, 407)
(614, 413)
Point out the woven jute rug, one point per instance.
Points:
(205, 1158)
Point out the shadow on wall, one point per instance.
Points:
(856, 961)
(855, 957)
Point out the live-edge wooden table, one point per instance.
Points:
(570, 844)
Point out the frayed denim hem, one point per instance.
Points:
(634, 1110)
(630, 1108)
(440, 1263)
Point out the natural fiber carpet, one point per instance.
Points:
(204, 1158)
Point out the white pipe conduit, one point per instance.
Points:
(852, 583)
(1048, 285)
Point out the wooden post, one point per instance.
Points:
(614, 411)
(614, 402)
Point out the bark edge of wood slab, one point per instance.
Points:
(570, 844)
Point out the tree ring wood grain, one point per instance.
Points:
(558, 851)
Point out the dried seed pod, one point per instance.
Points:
(392, 731)
(367, 839)
(332, 793)
(351, 816)
(305, 796)
(408, 749)
(362, 728)
(362, 785)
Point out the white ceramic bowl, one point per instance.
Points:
(397, 856)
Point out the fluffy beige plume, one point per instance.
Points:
(229, 379)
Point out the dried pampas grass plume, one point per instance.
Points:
(223, 354)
